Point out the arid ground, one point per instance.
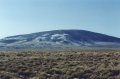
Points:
(82, 64)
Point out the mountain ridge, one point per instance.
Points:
(58, 30)
(59, 39)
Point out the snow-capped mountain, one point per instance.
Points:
(59, 39)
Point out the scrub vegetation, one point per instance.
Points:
(83, 64)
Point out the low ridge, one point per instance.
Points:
(59, 39)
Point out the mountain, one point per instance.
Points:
(59, 39)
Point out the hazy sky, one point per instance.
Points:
(28, 16)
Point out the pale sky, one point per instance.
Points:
(29, 16)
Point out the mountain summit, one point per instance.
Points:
(59, 39)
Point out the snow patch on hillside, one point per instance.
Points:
(59, 37)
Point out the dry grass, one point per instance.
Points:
(86, 64)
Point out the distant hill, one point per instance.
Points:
(59, 39)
